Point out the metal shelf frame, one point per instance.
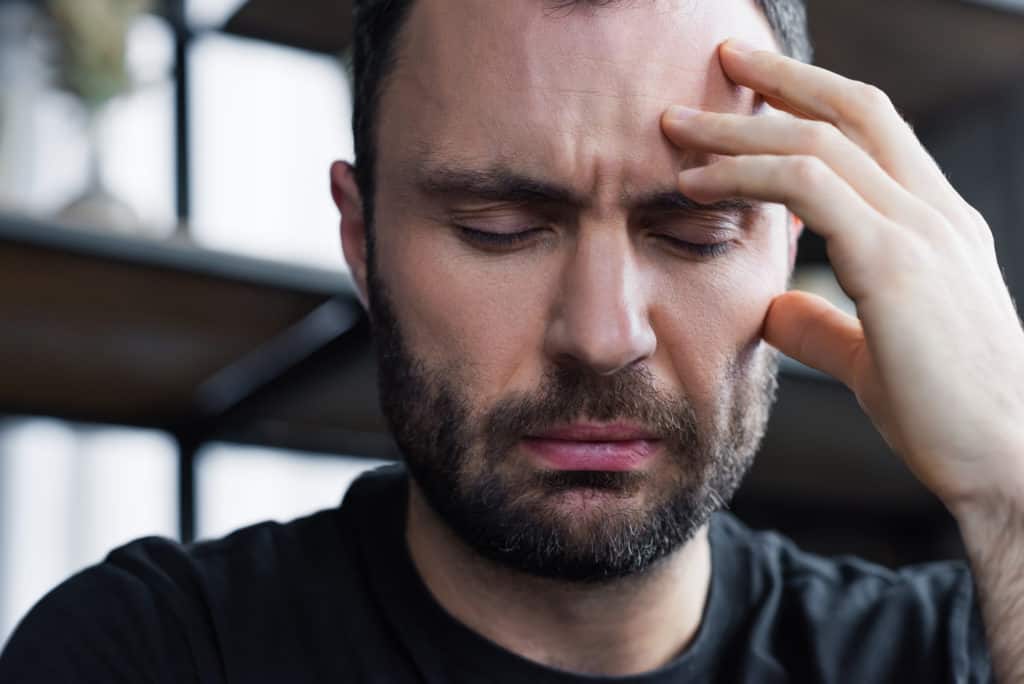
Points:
(129, 285)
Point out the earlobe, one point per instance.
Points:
(345, 192)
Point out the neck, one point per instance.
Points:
(625, 627)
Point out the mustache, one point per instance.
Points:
(570, 394)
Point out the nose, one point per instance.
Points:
(601, 318)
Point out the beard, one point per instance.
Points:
(465, 463)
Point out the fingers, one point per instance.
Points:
(778, 104)
(735, 134)
(861, 111)
(809, 329)
(806, 184)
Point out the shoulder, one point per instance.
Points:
(845, 612)
(112, 622)
(778, 564)
(157, 610)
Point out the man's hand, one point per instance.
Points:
(936, 355)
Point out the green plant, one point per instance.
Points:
(92, 37)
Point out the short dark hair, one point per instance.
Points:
(377, 24)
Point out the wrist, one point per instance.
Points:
(990, 484)
(987, 518)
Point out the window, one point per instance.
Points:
(68, 495)
(266, 123)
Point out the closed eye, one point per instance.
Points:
(703, 250)
(492, 240)
(501, 241)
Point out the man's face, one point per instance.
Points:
(571, 354)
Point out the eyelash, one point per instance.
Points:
(512, 240)
(498, 240)
(701, 250)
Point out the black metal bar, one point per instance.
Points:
(182, 157)
(6, 552)
(188, 447)
(274, 359)
(234, 385)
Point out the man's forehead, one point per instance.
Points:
(632, 48)
(568, 87)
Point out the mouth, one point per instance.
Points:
(610, 447)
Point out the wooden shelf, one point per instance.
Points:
(105, 328)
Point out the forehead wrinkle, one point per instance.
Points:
(679, 54)
(470, 115)
(504, 183)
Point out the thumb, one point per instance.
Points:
(811, 330)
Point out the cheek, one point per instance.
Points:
(480, 319)
(714, 319)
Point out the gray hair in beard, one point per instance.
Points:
(457, 459)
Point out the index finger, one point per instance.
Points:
(808, 89)
(862, 112)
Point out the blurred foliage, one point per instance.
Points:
(92, 36)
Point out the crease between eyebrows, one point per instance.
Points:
(500, 184)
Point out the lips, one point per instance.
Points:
(611, 447)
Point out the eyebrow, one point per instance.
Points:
(669, 201)
(495, 184)
(501, 184)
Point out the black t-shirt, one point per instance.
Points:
(334, 597)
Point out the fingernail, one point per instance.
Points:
(738, 45)
(681, 113)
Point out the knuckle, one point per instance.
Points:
(976, 216)
(978, 219)
(815, 136)
(873, 97)
(809, 171)
(981, 228)
(931, 218)
(937, 228)
(967, 221)
(945, 229)
(988, 239)
(865, 101)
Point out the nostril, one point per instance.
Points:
(607, 351)
(602, 319)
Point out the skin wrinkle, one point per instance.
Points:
(501, 184)
(719, 91)
(493, 326)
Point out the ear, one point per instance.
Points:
(796, 228)
(346, 196)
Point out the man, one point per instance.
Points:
(573, 225)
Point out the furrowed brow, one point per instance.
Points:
(501, 184)
(669, 201)
(496, 184)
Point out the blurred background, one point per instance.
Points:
(181, 352)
